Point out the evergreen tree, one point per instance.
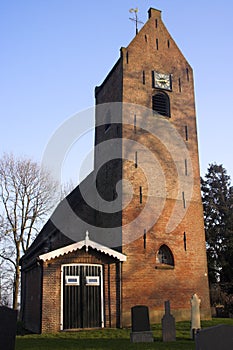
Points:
(217, 195)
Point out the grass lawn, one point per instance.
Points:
(111, 339)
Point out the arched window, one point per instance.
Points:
(165, 256)
(161, 103)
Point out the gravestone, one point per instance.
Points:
(195, 315)
(8, 320)
(218, 338)
(141, 331)
(168, 324)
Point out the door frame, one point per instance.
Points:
(101, 291)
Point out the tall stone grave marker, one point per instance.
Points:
(8, 319)
(168, 324)
(195, 315)
(141, 331)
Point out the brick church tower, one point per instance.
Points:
(149, 167)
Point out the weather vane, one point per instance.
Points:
(135, 19)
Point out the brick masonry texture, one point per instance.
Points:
(144, 281)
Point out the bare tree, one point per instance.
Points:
(27, 196)
(6, 282)
(66, 188)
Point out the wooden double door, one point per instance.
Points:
(82, 296)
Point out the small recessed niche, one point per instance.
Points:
(140, 194)
(186, 167)
(143, 77)
(184, 201)
(144, 239)
(186, 133)
(136, 159)
(179, 81)
(135, 123)
(185, 244)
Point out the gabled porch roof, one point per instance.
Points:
(79, 245)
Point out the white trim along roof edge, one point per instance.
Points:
(79, 245)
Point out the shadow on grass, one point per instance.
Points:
(98, 344)
(111, 339)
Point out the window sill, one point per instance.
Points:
(164, 267)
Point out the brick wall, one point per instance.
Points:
(143, 281)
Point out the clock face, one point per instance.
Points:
(162, 81)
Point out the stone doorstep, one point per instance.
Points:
(141, 337)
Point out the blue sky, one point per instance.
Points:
(54, 53)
